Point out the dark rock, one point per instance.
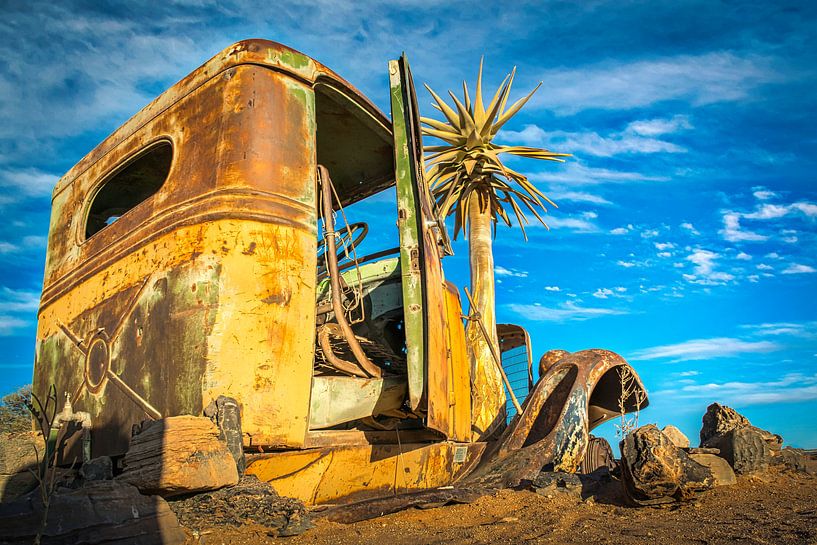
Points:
(745, 449)
(655, 471)
(702, 450)
(102, 512)
(549, 483)
(225, 412)
(795, 459)
(720, 420)
(178, 455)
(98, 469)
(249, 502)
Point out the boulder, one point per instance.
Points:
(550, 483)
(249, 502)
(722, 472)
(101, 512)
(655, 471)
(98, 469)
(17, 457)
(178, 455)
(720, 420)
(745, 449)
(795, 459)
(676, 436)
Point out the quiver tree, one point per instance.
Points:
(470, 182)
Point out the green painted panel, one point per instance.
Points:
(408, 223)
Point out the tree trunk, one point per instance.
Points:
(487, 393)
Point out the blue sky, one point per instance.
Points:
(685, 233)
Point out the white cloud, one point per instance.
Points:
(774, 211)
(577, 173)
(649, 233)
(553, 288)
(603, 293)
(664, 245)
(691, 228)
(732, 231)
(499, 270)
(568, 311)
(698, 79)
(29, 182)
(575, 225)
(702, 349)
(794, 329)
(704, 270)
(797, 268)
(577, 196)
(764, 267)
(763, 194)
(626, 264)
(791, 387)
(636, 138)
(8, 247)
(743, 256)
(622, 230)
(18, 308)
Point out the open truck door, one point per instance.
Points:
(420, 253)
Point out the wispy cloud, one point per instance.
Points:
(697, 79)
(793, 329)
(565, 312)
(577, 173)
(18, 309)
(790, 388)
(502, 271)
(797, 268)
(703, 349)
(704, 269)
(577, 196)
(639, 137)
(28, 182)
(733, 232)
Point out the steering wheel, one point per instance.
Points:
(348, 239)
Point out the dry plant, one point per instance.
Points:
(46, 474)
(629, 389)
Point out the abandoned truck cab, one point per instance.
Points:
(202, 250)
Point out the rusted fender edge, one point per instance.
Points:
(554, 425)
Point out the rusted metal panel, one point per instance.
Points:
(355, 473)
(423, 284)
(553, 427)
(190, 294)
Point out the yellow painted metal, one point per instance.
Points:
(459, 369)
(358, 472)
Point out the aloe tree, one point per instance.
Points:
(469, 180)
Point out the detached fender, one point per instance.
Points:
(577, 392)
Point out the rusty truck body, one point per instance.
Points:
(196, 252)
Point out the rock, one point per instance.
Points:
(550, 483)
(17, 457)
(225, 412)
(676, 436)
(744, 448)
(102, 512)
(701, 450)
(249, 502)
(795, 459)
(98, 469)
(655, 471)
(720, 420)
(178, 455)
(722, 472)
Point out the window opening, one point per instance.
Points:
(129, 186)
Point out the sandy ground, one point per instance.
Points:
(773, 508)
